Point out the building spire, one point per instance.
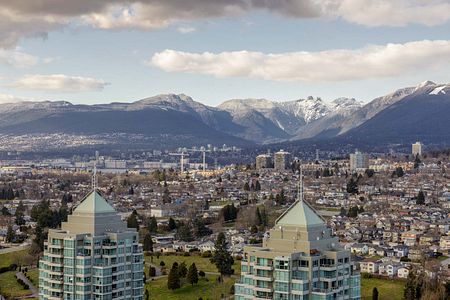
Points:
(94, 178)
(300, 185)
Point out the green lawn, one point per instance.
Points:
(206, 289)
(34, 276)
(9, 286)
(202, 264)
(387, 289)
(17, 257)
(442, 258)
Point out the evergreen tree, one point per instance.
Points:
(132, 221)
(182, 270)
(192, 275)
(375, 293)
(153, 225)
(152, 271)
(184, 233)
(10, 234)
(399, 172)
(200, 229)
(257, 186)
(5, 211)
(19, 214)
(172, 224)
(221, 257)
(148, 243)
(258, 216)
(417, 162)
(173, 280)
(246, 187)
(352, 186)
(420, 200)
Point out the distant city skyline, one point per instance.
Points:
(213, 51)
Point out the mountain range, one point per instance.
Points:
(420, 112)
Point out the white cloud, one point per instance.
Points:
(24, 18)
(324, 66)
(59, 83)
(7, 98)
(393, 12)
(17, 58)
(186, 29)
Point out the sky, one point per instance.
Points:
(213, 50)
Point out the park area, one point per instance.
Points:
(387, 289)
(207, 287)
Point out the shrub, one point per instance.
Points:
(207, 254)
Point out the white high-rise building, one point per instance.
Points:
(93, 256)
(299, 259)
(416, 149)
(281, 160)
(263, 161)
(359, 161)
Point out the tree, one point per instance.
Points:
(192, 275)
(184, 233)
(5, 211)
(200, 229)
(201, 274)
(182, 270)
(132, 221)
(399, 172)
(257, 186)
(10, 234)
(420, 200)
(221, 257)
(153, 225)
(152, 272)
(173, 280)
(229, 212)
(370, 172)
(148, 243)
(172, 224)
(417, 162)
(246, 187)
(352, 186)
(375, 293)
(19, 214)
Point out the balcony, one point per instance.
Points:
(262, 278)
(268, 289)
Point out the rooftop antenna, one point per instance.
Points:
(94, 178)
(300, 185)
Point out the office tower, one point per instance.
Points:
(281, 160)
(263, 161)
(359, 161)
(93, 256)
(416, 149)
(298, 260)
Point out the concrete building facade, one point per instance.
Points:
(281, 160)
(263, 161)
(93, 256)
(416, 149)
(299, 260)
(359, 161)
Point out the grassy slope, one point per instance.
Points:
(387, 289)
(9, 287)
(202, 264)
(205, 289)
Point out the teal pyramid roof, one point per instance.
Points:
(301, 214)
(93, 203)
